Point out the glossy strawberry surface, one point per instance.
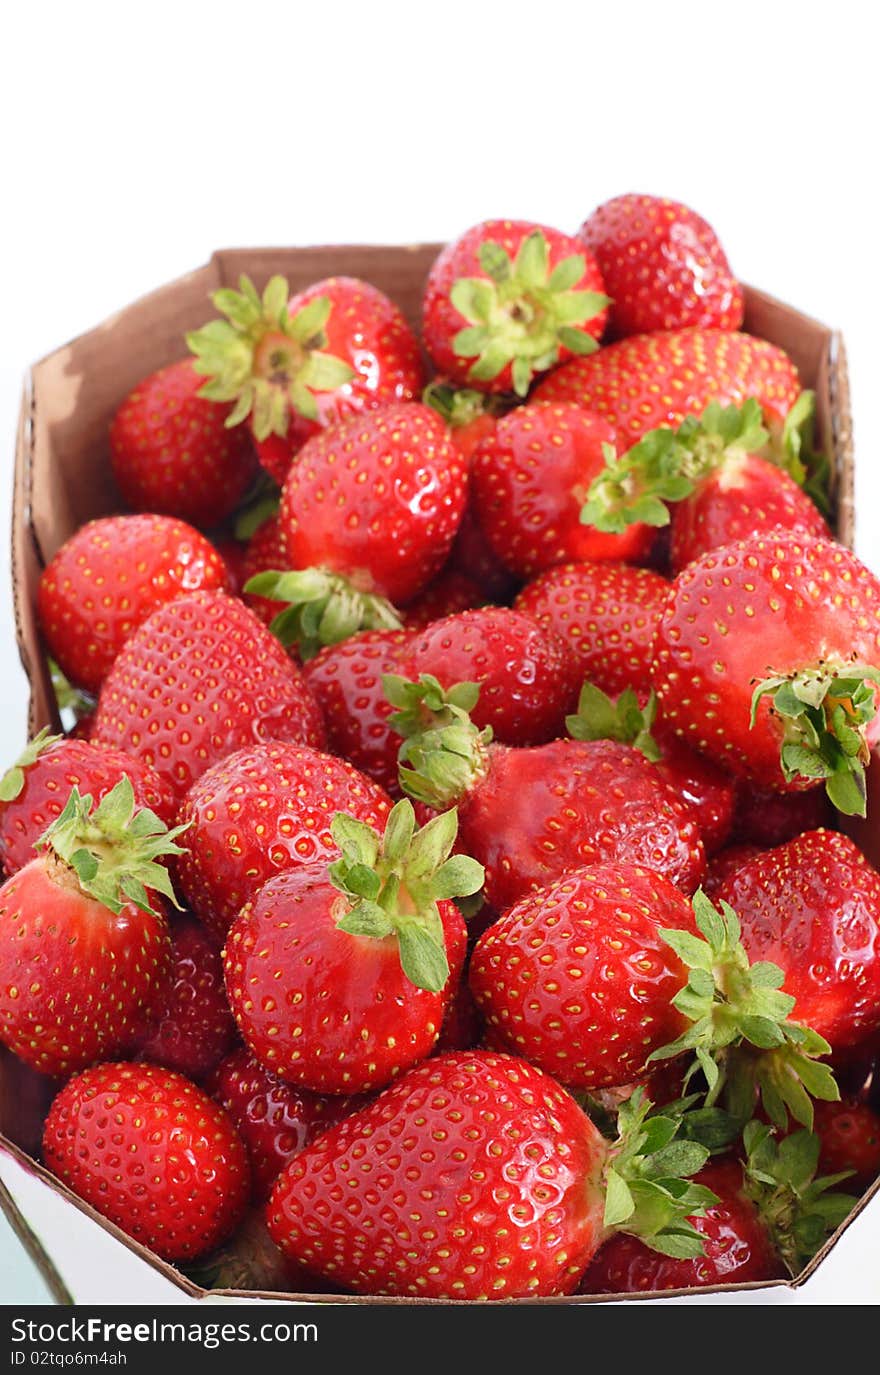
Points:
(474, 1177)
(849, 1133)
(663, 266)
(152, 1153)
(262, 810)
(107, 579)
(378, 499)
(199, 679)
(193, 1026)
(578, 979)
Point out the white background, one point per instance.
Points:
(135, 139)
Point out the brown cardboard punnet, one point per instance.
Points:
(62, 478)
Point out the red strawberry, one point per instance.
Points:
(529, 482)
(607, 612)
(765, 818)
(767, 658)
(724, 863)
(476, 1176)
(264, 553)
(84, 943)
(651, 380)
(199, 679)
(508, 300)
(339, 978)
(577, 977)
(849, 1136)
(107, 579)
(346, 680)
(259, 811)
(737, 1247)
(35, 791)
(449, 593)
(296, 366)
(172, 452)
(193, 1027)
(527, 676)
(813, 908)
(663, 266)
(274, 1120)
(533, 815)
(152, 1153)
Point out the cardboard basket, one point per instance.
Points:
(63, 478)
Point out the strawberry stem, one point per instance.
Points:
(600, 717)
(323, 608)
(459, 406)
(13, 780)
(443, 753)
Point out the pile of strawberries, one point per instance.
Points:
(435, 892)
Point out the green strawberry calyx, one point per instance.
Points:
(12, 782)
(794, 449)
(394, 882)
(323, 608)
(825, 712)
(113, 848)
(600, 717)
(648, 1189)
(459, 406)
(68, 697)
(800, 1210)
(520, 313)
(443, 753)
(265, 360)
(261, 504)
(741, 1033)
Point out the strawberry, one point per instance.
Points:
(152, 1153)
(531, 815)
(264, 552)
(508, 300)
(578, 979)
(632, 720)
(767, 658)
(339, 977)
(476, 1176)
(296, 365)
(527, 676)
(346, 679)
(107, 579)
(274, 1120)
(35, 790)
(765, 818)
(529, 481)
(608, 613)
(849, 1142)
(663, 266)
(261, 810)
(652, 380)
(192, 1026)
(449, 592)
(199, 679)
(813, 908)
(84, 943)
(172, 452)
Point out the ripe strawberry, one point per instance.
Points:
(449, 593)
(476, 1176)
(261, 810)
(767, 658)
(531, 815)
(765, 818)
(849, 1137)
(527, 676)
(708, 791)
(172, 452)
(199, 679)
(339, 977)
(651, 380)
(577, 977)
(529, 482)
(296, 365)
(607, 612)
(264, 553)
(107, 579)
(35, 790)
(152, 1153)
(192, 1027)
(737, 1247)
(274, 1120)
(813, 908)
(84, 943)
(346, 679)
(508, 300)
(663, 266)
